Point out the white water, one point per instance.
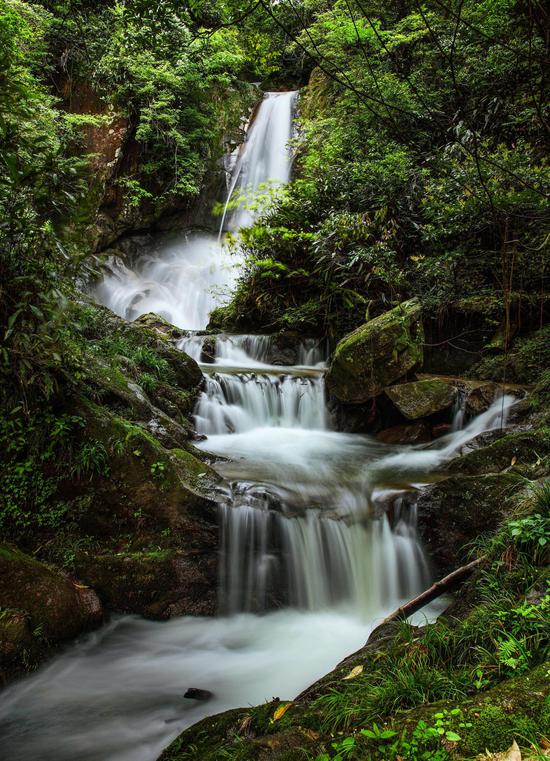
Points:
(304, 526)
(186, 276)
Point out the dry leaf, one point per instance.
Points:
(354, 672)
(245, 725)
(281, 710)
(311, 734)
(512, 754)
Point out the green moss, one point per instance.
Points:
(494, 728)
(526, 360)
(376, 354)
(522, 451)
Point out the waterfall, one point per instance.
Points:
(237, 403)
(264, 160)
(315, 534)
(301, 527)
(314, 563)
(251, 351)
(185, 276)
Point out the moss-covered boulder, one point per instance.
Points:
(377, 354)
(422, 398)
(159, 325)
(413, 433)
(519, 452)
(456, 511)
(158, 583)
(151, 520)
(39, 608)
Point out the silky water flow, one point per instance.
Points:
(309, 561)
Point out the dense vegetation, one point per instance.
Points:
(422, 167)
(421, 170)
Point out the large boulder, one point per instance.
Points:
(456, 511)
(377, 354)
(41, 607)
(413, 433)
(422, 398)
(159, 584)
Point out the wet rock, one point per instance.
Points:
(480, 396)
(161, 326)
(422, 398)
(457, 510)
(43, 607)
(195, 693)
(441, 429)
(520, 451)
(416, 433)
(208, 349)
(158, 584)
(377, 354)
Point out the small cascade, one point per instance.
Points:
(252, 351)
(459, 412)
(238, 403)
(315, 563)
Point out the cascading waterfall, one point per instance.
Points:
(307, 537)
(186, 276)
(314, 563)
(235, 403)
(263, 162)
(301, 530)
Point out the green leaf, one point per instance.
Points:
(452, 736)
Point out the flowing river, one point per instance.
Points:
(317, 543)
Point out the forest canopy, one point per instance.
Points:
(421, 151)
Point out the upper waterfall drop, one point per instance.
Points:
(186, 276)
(264, 160)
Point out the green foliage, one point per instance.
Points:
(32, 449)
(39, 187)
(420, 166)
(92, 459)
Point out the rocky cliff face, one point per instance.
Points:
(116, 163)
(131, 520)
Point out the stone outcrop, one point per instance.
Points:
(414, 433)
(41, 607)
(422, 398)
(457, 510)
(377, 354)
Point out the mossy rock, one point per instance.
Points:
(148, 498)
(515, 709)
(519, 452)
(159, 325)
(41, 607)
(158, 584)
(377, 354)
(100, 327)
(456, 511)
(422, 398)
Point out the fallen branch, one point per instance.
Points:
(449, 582)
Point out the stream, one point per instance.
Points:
(317, 544)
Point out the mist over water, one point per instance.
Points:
(310, 559)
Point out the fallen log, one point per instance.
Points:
(445, 584)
